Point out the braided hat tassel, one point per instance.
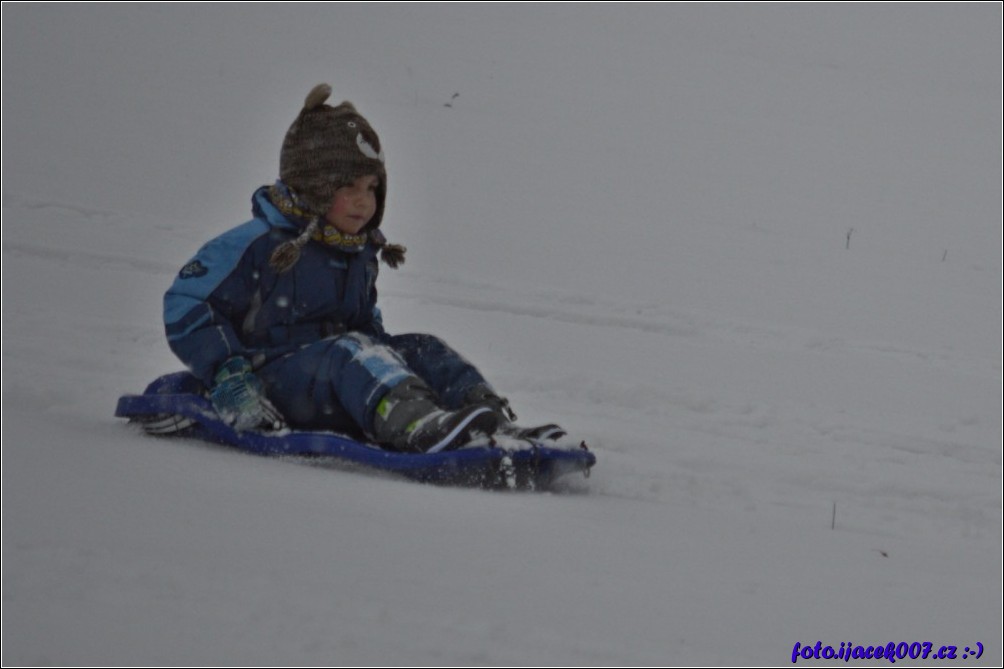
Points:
(287, 254)
(392, 254)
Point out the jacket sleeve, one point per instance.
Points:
(209, 298)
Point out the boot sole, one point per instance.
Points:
(540, 433)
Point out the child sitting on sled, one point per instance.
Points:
(279, 320)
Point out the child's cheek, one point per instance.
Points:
(337, 207)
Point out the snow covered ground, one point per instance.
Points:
(750, 253)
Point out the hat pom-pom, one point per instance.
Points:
(316, 97)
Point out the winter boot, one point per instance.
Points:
(408, 419)
(486, 396)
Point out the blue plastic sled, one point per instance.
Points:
(506, 464)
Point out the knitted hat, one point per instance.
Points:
(328, 147)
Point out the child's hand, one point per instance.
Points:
(239, 398)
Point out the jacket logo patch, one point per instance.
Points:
(193, 269)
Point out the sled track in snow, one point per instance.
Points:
(680, 325)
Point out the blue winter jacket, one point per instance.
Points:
(228, 301)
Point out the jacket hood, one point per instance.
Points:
(279, 212)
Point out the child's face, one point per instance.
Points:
(354, 205)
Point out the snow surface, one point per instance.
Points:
(750, 253)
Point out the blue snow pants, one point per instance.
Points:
(336, 383)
